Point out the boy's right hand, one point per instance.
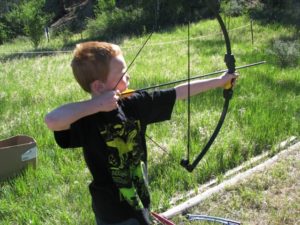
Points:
(107, 101)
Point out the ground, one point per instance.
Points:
(270, 197)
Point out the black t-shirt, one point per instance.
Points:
(114, 149)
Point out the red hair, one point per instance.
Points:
(91, 62)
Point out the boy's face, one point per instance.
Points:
(117, 67)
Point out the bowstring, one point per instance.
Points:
(155, 27)
(131, 63)
(188, 99)
(189, 91)
(149, 137)
(188, 80)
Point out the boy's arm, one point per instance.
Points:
(199, 86)
(62, 117)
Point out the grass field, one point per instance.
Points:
(265, 110)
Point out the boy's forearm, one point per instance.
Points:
(197, 87)
(62, 117)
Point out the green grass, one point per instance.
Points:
(265, 110)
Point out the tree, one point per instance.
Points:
(34, 19)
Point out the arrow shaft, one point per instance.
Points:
(196, 77)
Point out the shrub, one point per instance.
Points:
(104, 6)
(287, 53)
(65, 35)
(128, 17)
(27, 18)
(115, 23)
(285, 12)
(34, 19)
(233, 7)
(3, 33)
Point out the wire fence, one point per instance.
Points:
(133, 46)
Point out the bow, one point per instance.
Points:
(227, 93)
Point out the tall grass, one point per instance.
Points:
(265, 110)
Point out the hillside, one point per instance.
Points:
(71, 14)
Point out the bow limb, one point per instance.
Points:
(227, 93)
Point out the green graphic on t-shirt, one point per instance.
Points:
(123, 142)
(134, 194)
(125, 161)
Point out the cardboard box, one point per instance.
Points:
(16, 153)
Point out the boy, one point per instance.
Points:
(112, 130)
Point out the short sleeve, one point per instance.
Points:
(152, 107)
(70, 138)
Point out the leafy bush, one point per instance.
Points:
(34, 20)
(287, 53)
(13, 22)
(104, 6)
(27, 18)
(113, 24)
(285, 12)
(3, 33)
(233, 7)
(64, 34)
(126, 17)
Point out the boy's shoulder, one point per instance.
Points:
(145, 101)
(150, 95)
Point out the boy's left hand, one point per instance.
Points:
(229, 79)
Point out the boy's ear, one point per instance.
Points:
(97, 87)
